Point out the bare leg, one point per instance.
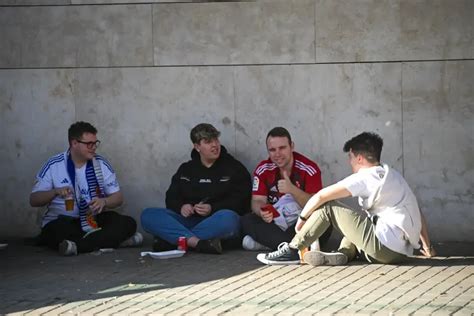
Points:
(427, 248)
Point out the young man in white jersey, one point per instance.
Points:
(79, 174)
(388, 234)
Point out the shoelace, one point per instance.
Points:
(282, 249)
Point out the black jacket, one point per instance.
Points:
(225, 185)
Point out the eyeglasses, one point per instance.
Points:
(89, 145)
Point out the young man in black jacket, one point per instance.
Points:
(206, 196)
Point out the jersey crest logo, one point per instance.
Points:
(64, 181)
(113, 184)
(256, 183)
(272, 199)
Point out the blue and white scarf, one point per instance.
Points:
(95, 182)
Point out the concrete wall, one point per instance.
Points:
(145, 73)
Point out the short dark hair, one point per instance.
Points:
(367, 144)
(203, 131)
(279, 132)
(77, 129)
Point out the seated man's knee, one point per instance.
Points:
(228, 214)
(149, 215)
(228, 218)
(130, 223)
(123, 222)
(325, 209)
(329, 205)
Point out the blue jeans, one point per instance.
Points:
(169, 225)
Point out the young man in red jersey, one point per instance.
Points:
(284, 173)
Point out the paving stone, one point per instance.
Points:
(235, 283)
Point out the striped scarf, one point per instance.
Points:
(95, 182)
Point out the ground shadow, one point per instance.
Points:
(33, 277)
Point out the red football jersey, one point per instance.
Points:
(305, 174)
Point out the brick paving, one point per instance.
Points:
(36, 281)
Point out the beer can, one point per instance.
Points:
(182, 245)
(301, 254)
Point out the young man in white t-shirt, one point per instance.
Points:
(88, 181)
(388, 234)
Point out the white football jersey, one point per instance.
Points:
(54, 174)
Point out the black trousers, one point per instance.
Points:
(269, 234)
(116, 228)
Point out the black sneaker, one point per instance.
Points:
(162, 245)
(212, 246)
(284, 255)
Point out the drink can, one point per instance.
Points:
(301, 254)
(182, 245)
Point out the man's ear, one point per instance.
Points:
(196, 146)
(292, 146)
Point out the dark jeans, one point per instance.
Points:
(269, 234)
(116, 228)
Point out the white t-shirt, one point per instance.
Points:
(54, 175)
(382, 191)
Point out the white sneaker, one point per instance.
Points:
(67, 248)
(248, 243)
(134, 241)
(319, 258)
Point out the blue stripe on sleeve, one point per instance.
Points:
(49, 163)
(106, 163)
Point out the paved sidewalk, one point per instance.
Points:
(37, 281)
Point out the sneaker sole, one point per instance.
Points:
(262, 259)
(319, 258)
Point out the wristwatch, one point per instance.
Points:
(304, 219)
